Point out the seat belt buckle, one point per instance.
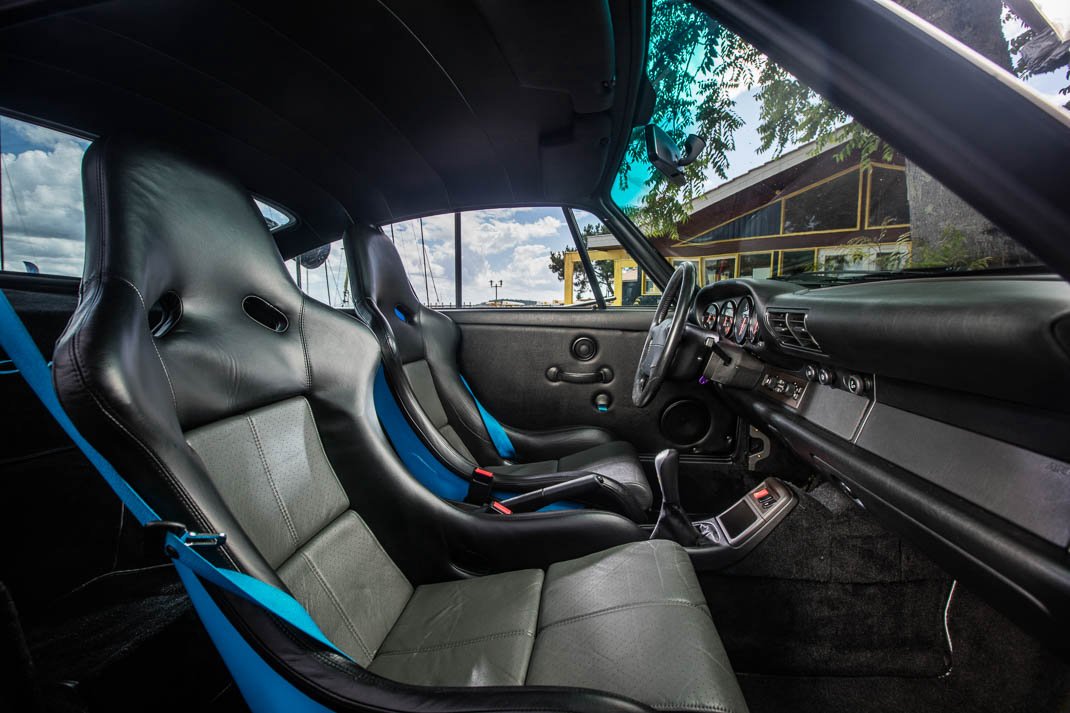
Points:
(498, 508)
(157, 531)
(479, 487)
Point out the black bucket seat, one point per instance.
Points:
(420, 347)
(233, 402)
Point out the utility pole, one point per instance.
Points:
(496, 285)
(457, 259)
(423, 261)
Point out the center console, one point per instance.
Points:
(729, 536)
(718, 541)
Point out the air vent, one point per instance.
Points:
(790, 330)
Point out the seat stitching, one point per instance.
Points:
(304, 344)
(337, 604)
(74, 349)
(144, 306)
(625, 607)
(457, 644)
(271, 482)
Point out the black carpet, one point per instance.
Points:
(835, 613)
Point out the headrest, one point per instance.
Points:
(185, 297)
(170, 223)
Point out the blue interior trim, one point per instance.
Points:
(497, 433)
(416, 456)
(264, 690)
(261, 695)
(418, 459)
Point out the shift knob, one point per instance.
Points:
(673, 523)
(667, 466)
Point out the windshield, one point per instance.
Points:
(788, 185)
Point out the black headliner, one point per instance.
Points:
(364, 112)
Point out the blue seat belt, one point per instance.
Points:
(180, 545)
(497, 433)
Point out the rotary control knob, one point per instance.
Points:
(810, 372)
(826, 376)
(856, 384)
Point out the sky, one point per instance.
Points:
(511, 245)
(42, 198)
(43, 221)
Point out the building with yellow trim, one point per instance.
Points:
(809, 210)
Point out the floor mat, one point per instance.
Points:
(835, 613)
(839, 595)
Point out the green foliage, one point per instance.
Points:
(697, 67)
(954, 250)
(603, 271)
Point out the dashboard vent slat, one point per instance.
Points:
(790, 330)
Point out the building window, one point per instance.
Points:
(756, 265)
(762, 222)
(43, 229)
(832, 205)
(719, 268)
(887, 198)
(793, 262)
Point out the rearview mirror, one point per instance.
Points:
(666, 156)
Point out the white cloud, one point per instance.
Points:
(42, 197)
(508, 244)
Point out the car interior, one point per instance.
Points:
(610, 355)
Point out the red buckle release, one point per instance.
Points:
(499, 508)
(761, 493)
(484, 473)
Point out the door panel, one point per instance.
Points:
(505, 355)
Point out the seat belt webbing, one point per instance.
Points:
(23, 352)
(497, 433)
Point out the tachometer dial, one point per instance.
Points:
(728, 316)
(744, 315)
(709, 317)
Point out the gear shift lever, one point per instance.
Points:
(673, 523)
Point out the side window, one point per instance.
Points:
(322, 274)
(43, 225)
(508, 257)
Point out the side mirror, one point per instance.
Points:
(666, 156)
(314, 258)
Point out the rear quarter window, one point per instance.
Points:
(43, 226)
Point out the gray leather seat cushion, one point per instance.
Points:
(633, 620)
(475, 632)
(617, 460)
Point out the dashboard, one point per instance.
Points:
(941, 404)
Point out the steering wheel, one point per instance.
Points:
(665, 333)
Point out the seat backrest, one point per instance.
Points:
(425, 346)
(230, 400)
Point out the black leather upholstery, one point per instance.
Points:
(418, 336)
(270, 435)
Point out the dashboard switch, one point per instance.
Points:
(826, 376)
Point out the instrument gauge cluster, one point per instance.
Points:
(734, 319)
